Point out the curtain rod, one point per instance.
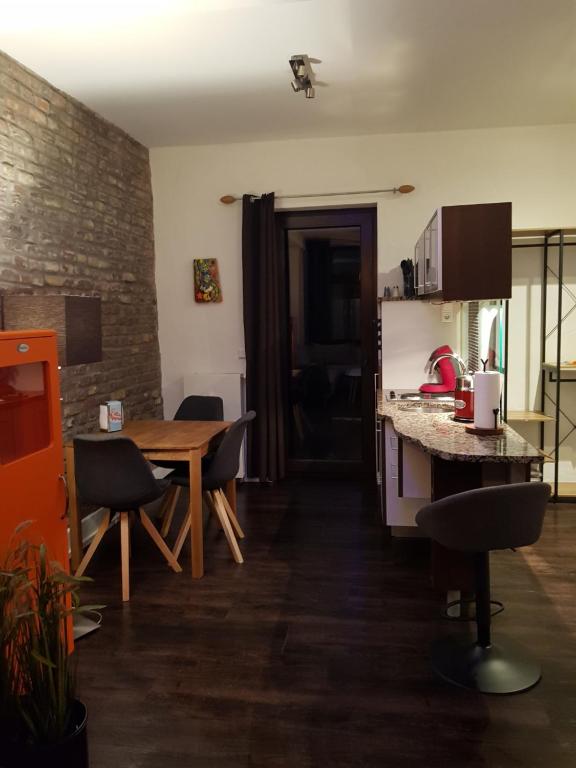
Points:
(404, 189)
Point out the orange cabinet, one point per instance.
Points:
(31, 458)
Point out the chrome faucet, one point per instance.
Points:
(458, 360)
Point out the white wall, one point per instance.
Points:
(524, 330)
(410, 331)
(532, 167)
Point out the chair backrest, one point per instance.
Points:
(200, 408)
(112, 472)
(224, 465)
(498, 517)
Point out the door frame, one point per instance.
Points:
(365, 218)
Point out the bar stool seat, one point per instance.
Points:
(478, 521)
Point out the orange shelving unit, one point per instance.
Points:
(32, 485)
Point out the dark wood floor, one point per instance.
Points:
(314, 652)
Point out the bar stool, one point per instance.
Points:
(478, 521)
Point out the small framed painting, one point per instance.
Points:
(206, 281)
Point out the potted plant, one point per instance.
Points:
(42, 721)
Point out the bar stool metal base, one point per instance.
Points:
(503, 667)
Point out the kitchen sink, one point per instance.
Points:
(427, 406)
(438, 397)
(429, 402)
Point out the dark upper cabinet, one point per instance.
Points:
(465, 253)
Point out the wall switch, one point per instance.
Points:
(447, 312)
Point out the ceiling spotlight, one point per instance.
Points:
(303, 75)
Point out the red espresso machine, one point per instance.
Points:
(32, 485)
(440, 364)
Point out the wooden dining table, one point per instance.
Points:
(174, 441)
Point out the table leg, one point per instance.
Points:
(73, 516)
(230, 493)
(195, 511)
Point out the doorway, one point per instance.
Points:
(331, 338)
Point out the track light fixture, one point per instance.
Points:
(303, 75)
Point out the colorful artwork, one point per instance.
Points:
(206, 281)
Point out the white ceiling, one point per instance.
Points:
(209, 71)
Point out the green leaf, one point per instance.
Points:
(30, 723)
(36, 595)
(25, 614)
(22, 526)
(61, 577)
(43, 660)
(83, 579)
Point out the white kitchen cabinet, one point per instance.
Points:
(407, 479)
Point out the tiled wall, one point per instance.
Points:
(76, 218)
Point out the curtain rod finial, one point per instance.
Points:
(228, 199)
(404, 189)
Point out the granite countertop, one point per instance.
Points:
(437, 433)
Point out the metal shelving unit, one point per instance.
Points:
(553, 372)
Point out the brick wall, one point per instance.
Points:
(76, 218)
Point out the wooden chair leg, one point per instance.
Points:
(102, 528)
(131, 523)
(207, 505)
(159, 541)
(125, 554)
(231, 515)
(222, 511)
(181, 538)
(172, 497)
(211, 504)
(166, 500)
(228, 532)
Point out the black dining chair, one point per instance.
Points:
(111, 472)
(192, 408)
(222, 469)
(478, 521)
(200, 408)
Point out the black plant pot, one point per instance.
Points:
(72, 752)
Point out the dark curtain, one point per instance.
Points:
(265, 338)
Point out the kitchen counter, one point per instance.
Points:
(438, 434)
